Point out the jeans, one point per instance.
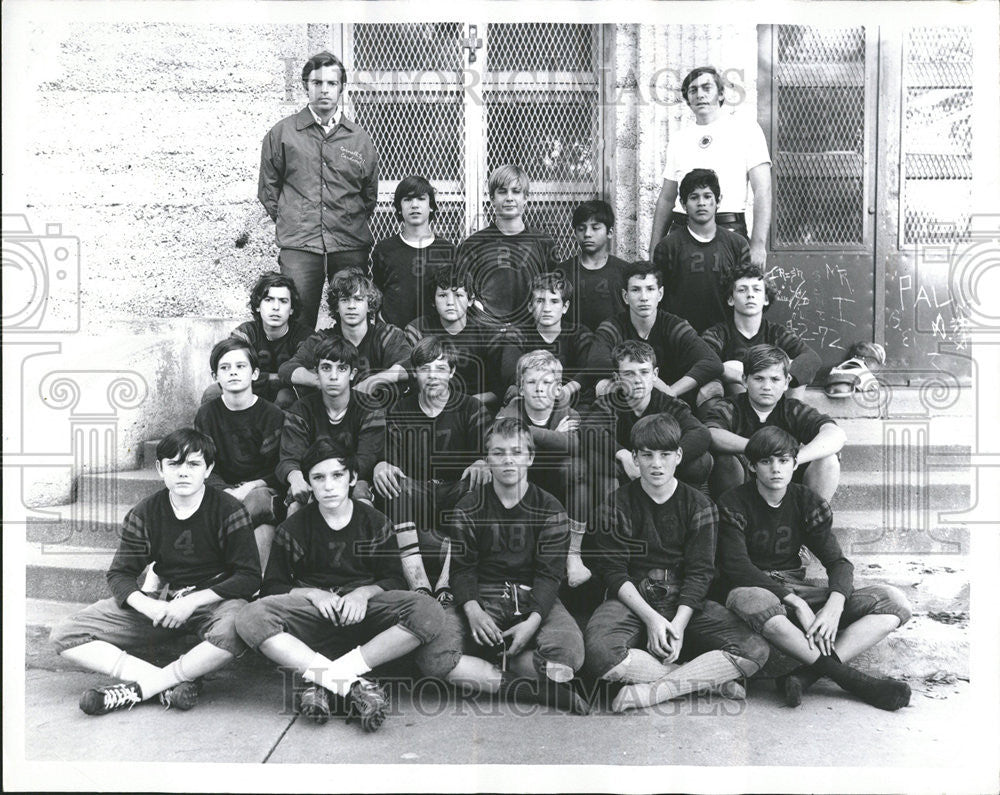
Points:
(308, 271)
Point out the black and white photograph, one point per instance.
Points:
(506, 396)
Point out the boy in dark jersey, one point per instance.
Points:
(732, 421)
(557, 467)
(595, 273)
(400, 263)
(334, 582)
(655, 550)
(434, 438)
(762, 526)
(476, 372)
(246, 430)
(634, 398)
(572, 344)
(382, 348)
(511, 539)
(333, 410)
(275, 333)
(686, 361)
(694, 258)
(749, 295)
(504, 257)
(200, 542)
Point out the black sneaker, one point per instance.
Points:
(368, 704)
(181, 696)
(314, 703)
(102, 700)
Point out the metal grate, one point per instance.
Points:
(819, 157)
(407, 91)
(937, 134)
(542, 95)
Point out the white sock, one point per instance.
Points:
(338, 675)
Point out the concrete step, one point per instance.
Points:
(79, 525)
(67, 573)
(874, 532)
(127, 487)
(872, 490)
(897, 401)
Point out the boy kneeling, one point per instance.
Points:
(762, 526)
(201, 543)
(655, 548)
(334, 578)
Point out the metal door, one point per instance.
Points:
(871, 140)
(454, 100)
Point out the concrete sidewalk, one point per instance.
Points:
(245, 716)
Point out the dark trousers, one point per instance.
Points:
(308, 271)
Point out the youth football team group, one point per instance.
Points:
(524, 475)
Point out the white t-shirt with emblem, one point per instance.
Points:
(730, 146)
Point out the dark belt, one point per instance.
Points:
(720, 218)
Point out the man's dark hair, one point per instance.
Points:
(699, 178)
(656, 432)
(228, 345)
(771, 441)
(729, 276)
(697, 72)
(265, 283)
(636, 350)
(351, 282)
(318, 61)
(430, 348)
(554, 282)
(451, 277)
(760, 357)
(179, 444)
(337, 446)
(641, 269)
(337, 349)
(410, 187)
(594, 210)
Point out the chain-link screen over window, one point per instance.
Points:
(819, 141)
(936, 168)
(407, 91)
(542, 98)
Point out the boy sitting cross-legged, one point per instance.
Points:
(762, 526)
(595, 273)
(634, 397)
(383, 350)
(200, 542)
(686, 361)
(749, 295)
(451, 319)
(400, 263)
(504, 257)
(332, 410)
(246, 430)
(434, 438)
(510, 540)
(275, 334)
(732, 421)
(655, 550)
(571, 343)
(558, 467)
(334, 581)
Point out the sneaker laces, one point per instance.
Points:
(117, 696)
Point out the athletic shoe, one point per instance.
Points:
(181, 696)
(102, 700)
(368, 704)
(314, 703)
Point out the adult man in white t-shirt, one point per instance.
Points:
(733, 147)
